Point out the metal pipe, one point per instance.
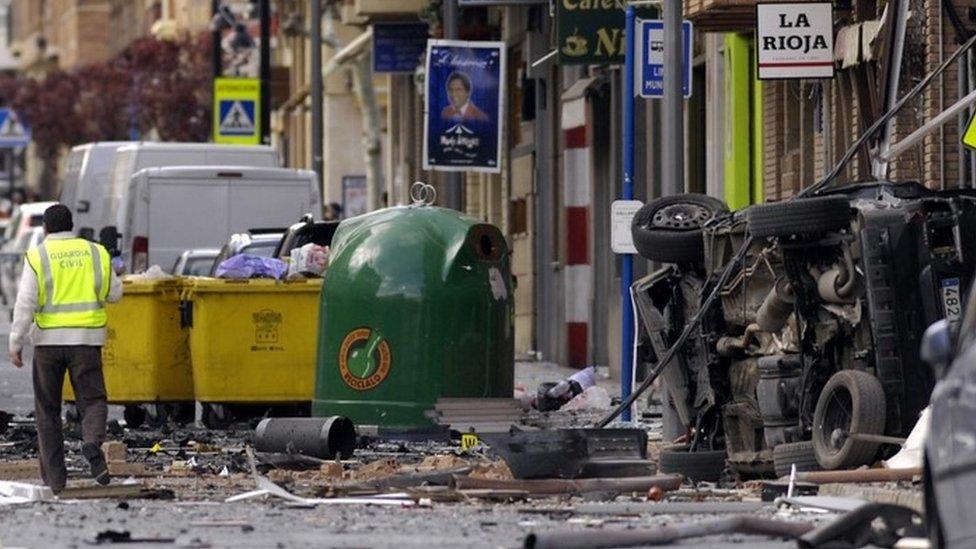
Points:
(880, 439)
(316, 92)
(900, 16)
(929, 127)
(873, 129)
(452, 180)
(322, 437)
(665, 535)
(264, 10)
(673, 138)
(627, 260)
(571, 486)
(860, 475)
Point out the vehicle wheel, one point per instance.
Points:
(706, 466)
(134, 416)
(800, 454)
(801, 216)
(932, 521)
(216, 416)
(851, 402)
(669, 229)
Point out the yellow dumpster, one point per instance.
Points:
(254, 341)
(146, 357)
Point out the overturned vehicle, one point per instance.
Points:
(810, 354)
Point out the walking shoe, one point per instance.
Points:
(99, 469)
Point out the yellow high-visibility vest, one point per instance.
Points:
(73, 278)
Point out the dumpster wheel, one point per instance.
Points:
(134, 415)
(216, 416)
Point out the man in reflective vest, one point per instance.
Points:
(64, 287)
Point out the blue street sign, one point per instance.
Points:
(13, 132)
(650, 58)
(399, 47)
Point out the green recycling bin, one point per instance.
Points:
(417, 304)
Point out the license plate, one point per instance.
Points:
(951, 300)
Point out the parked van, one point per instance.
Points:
(86, 183)
(169, 210)
(134, 157)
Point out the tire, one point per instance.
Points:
(698, 466)
(669, 229)
(851, 400)
(801, 216)
(800, 454)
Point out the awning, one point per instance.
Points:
(349, 52)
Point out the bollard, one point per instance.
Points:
(321, 437)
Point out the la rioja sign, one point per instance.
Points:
(795, 40)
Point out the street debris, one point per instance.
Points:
(554, 395)
(572, 453)
(554, 486)
(875, 524)
(477, 415)
(324, 437)
(663, 535)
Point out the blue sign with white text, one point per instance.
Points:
(465, 90)
(650, 58)
(399, 47)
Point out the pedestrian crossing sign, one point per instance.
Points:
(969, 136)
(236, 116)
(13, 132)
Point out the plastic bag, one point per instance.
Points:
(251, 266)
(593, 398)
(152, 273)
(309, 260)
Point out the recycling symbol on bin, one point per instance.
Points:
(364, 359)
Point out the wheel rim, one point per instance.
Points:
(681, 217)
(837, 420)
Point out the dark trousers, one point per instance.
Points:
(84, 366)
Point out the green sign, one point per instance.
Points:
(591, 32)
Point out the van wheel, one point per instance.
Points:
(706, 466)
(815, 215)
(852, 401)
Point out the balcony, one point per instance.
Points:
(721, 15)
(385, 9)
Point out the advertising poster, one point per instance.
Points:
(464, 105)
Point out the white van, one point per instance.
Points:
(169, 210)
(132, 158)
(86, 183)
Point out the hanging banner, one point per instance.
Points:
(464, 101)
(795, 40)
